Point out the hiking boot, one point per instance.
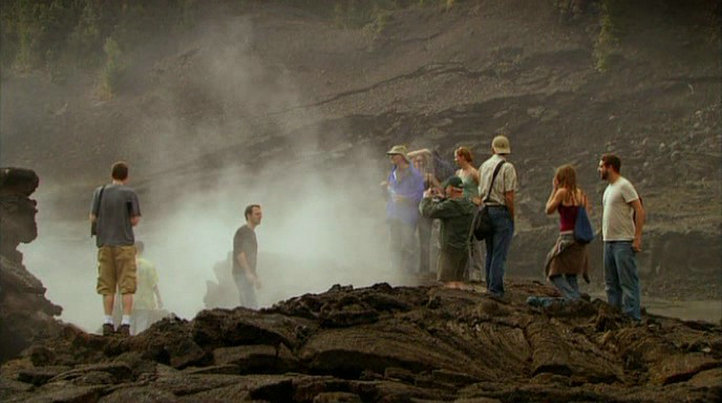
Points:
(534, 301)
(124, 330)
(500, 298)
(108, 329)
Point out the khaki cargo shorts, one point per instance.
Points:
(116, 269)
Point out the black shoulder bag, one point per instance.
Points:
(481, 226)
(94, 223)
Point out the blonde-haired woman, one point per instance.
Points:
(568, 258)
(470, 179)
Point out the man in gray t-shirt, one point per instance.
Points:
(115, 210)
(245, 251)
(118, 204)
(622, 222)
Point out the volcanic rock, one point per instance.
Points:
(25, 313)
(465, 346)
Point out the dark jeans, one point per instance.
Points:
(620, 277)
(567, 286)
(497, 248)
(245, 290)
(402, 240)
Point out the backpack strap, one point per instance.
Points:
(97, 206)
(493, 178)
(478, 210)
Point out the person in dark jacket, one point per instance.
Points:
(456, 214)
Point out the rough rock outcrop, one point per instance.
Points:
(17, 210)
(383, 344)
(25, 313)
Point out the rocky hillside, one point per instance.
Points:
(283, 85)
(382, 344)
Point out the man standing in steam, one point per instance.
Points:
(405, 186)
(245, 248)
(147, 295)
(115, 211)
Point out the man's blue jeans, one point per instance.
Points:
(567, 286)
(620, 277)
(497, 247)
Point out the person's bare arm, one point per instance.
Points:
(433, 181)
(423, 151)
(509, 198)
(92, 217)
(639, 216)
(555, 199)
(134, 220)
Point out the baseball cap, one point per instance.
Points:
(500, 145)
(453, 181)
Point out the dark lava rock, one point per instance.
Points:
(41, 375)
(463, 347)
(25, 314)
(140, 395)
(260, 359)
(17, 210)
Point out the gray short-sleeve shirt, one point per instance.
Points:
(117, 205)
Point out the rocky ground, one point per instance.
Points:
(26, 314)
(383, 344)
(378, 343)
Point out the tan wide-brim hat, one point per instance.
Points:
(500, 145)
(400, 150)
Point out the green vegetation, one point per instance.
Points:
(612, 21)
(113, 70)
(57, 35)
(618, 19)
(101, 36)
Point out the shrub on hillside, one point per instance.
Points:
(113, 69)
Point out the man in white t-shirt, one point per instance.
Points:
(622, 222)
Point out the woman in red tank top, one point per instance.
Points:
(568, 258)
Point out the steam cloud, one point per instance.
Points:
(323, 221)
